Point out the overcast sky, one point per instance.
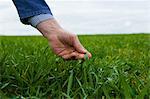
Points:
(84, 16)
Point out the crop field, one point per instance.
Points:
(119, 69)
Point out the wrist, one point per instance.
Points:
(49, 27)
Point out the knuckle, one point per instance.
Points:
(73, 54)
(73, 36)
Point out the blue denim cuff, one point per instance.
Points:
(35, 20)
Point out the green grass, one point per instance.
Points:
(119, 68)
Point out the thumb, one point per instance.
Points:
(78, 46)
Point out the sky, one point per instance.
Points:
(84, 17)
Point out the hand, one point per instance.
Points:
(62, 43)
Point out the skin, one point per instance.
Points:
(62, 42)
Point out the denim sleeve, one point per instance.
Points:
(30, 8)
(35, 20)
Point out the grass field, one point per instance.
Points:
(119, 69)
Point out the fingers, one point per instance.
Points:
(78, 46)
(73, 55)
(80, 56)
(69, 56)
(70, 53)
(76, 51)
(89, 54)
(65, 52)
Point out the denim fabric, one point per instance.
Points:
(35, 20)
(29, 8)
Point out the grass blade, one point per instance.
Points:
(70, 80)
